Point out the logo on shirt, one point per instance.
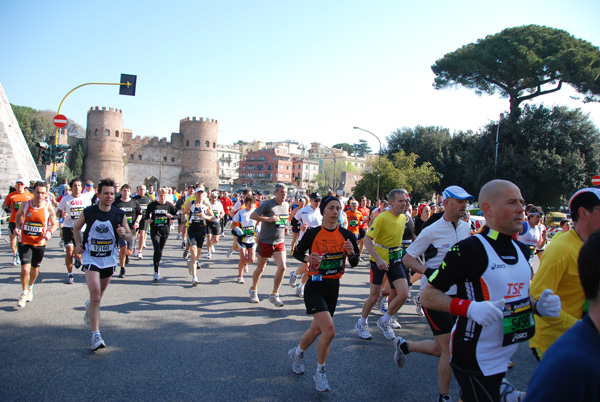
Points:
(102, 229)
(497, 266)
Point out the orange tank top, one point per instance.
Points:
(34, 225)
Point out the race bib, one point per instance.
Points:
(353, 223)
(331, 264)
(518, 322)
(282, 222)
(101, 247)
(75, 212)
(33, 229)
(395, 255)
(248, 231)
(161, 221)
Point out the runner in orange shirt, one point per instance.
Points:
(13, 201)
(355, 217)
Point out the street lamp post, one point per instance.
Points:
(379, 168)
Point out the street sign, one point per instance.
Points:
(60, 121)
(596, 180)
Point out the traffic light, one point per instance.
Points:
(60, 153)
(129, 87)
(46, 153)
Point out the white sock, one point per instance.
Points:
(299, 351)
(362, 321)
(321, 367)
(386, 317)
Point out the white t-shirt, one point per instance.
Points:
(73, 207)
(309, 216)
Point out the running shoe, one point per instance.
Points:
(183, 244)
(61, 244)
(321, 382)
(186, 254)
(77, 263)
(126, 260)
(394, 323)
(198, 266)
(139, 255)
(297, 361)
(274, 298)
(511, 364)
(212, 249)
(300, 291)
(22, 299)
(418, 307)
(388, 332)
(253, 296)
(86, 316)
(195, 281)
(208, 255)
(240, 279)
(155, 277)
(363, 331)
(29, 295)
(508, 392)
(399, 356)
(70, 280)
(97, 342)
(384, 305)
(122, 273)
(14, 260)
(293, 279)
(444, 398)
(178, 236)
(229, 252)
(246, 268)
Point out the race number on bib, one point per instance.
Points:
(518, 322)
(101, 247)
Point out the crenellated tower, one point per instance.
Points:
(199, 152)
(104, 156)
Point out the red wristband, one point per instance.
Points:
(459, 307)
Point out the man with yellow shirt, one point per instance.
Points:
(558, 271)
(384, 244)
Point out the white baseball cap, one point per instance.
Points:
(456, 192)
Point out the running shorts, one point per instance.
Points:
(322, 295)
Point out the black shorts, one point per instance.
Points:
(143, 226)
(31, 254)
(478, 387)
(213, 228)
(11, 227)
(245, 245)
(362, 233)
(104, 272)
(67, 235)
(321, 296)
(394, 272)
(295, 229)
(440, 322)
(196, 236)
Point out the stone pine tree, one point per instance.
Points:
(523, 63)
(77, 160)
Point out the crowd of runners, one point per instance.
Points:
(478, 291)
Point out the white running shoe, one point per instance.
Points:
(14, 260)
(155, 277)
(212, 249)
(394, 323)
(384, 305)
(195, 281)
(253, 296)
(300, 291)
(418, 307)
(293, 279)
(388, 332)
(29, 295)
(509, 393)
(274, 298)
(22, 299)
(321, 382)
(246, 268)
(97, 342)
(208, 255)
(363, 331)
(86, 316)
(178, 236)
(240, 279)
(139, 255)
(297, 361)
(399, 356)
(229, 252)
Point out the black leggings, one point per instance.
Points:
(158, 242)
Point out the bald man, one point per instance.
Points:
(494, 309)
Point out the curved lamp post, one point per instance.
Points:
(379, 168)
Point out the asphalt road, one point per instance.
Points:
(172, 341)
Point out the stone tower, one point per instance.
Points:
(104, 156)
(199, 152)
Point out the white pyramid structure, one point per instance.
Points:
(16, 161)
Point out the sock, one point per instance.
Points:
(24, 291)
(386, 318)
(95, 333)
(321, 367)
(302, 286)
(274, 294)
(299, 351)
(362, 321)
(70, 273)
(30, 287)
(404, 348)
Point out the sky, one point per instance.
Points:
(268, 70)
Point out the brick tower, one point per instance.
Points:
(199, 152)
(104, 156)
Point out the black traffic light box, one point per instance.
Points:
(129, 87)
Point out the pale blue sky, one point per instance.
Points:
(267, 70)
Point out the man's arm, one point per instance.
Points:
(77, 239)
(381, 264)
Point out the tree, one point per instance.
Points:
(522, 63)
(344, 146)
(401, 171)
(77, 160)
(361, 148)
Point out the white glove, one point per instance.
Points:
(548, 304)
(486, 313)
(238, 231)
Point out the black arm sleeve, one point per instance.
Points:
(354, 260)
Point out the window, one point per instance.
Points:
(207, 144)
(214, 145)
(106, 132)
(172, 159)
(139, 157)
(288, 168)
(117, 133)
(131, 156)
(197, 143)
(287, 176)
(269, 167)
(164, 159)
(187, 143)
(96, 132)
(274, 158)
(259, 167)
(252, 158)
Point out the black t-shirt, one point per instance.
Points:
(131, 208)
(409, 229)
(160, 221)
(143, 201)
